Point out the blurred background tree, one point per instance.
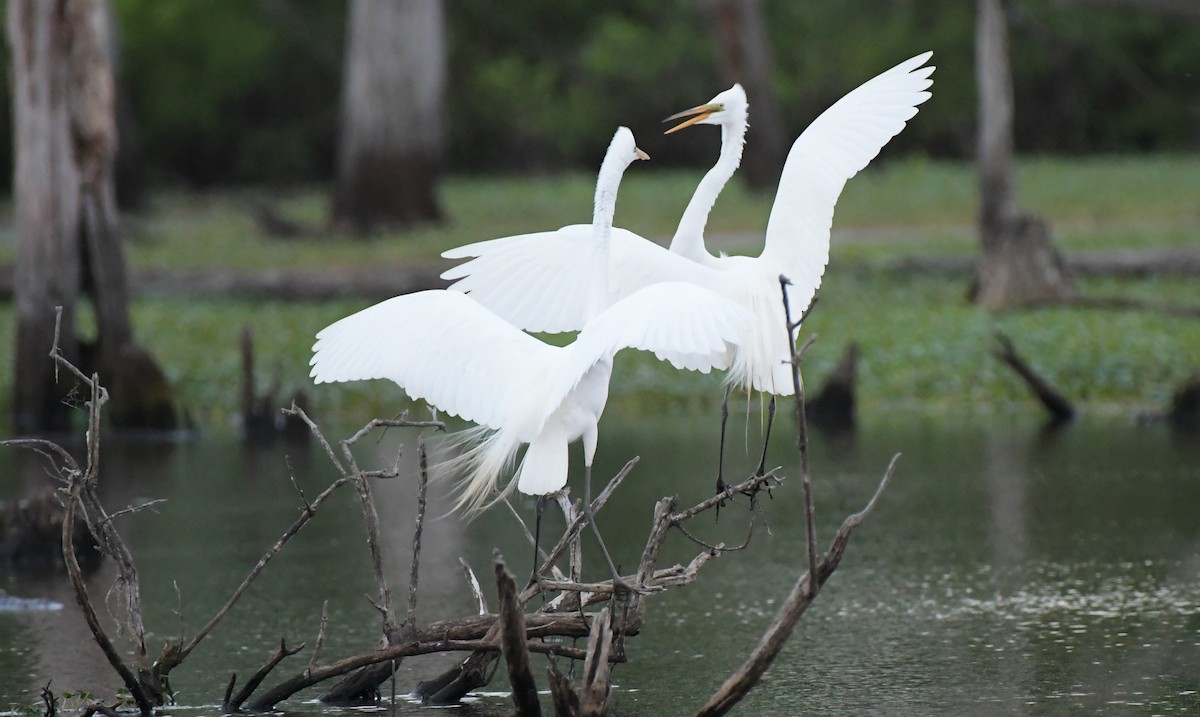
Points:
(69, 249)
(248, 92)
(1018, 263)
(390, 139)
(739, 30)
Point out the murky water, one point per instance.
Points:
(1005, 571)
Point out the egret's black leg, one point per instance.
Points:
(762, 463)
(618, 583)
(722, 486)
(539, 508)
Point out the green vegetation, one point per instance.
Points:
(923, 347)
(247, 92)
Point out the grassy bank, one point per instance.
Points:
(923, 347)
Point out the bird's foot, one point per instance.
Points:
(623, 588)
(726, 491)
(536, 580)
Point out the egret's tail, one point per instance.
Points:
(544, 467)
(477, 469)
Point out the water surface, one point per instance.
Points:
(1005, 571)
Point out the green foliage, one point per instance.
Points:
(236, 92)
(230, 91)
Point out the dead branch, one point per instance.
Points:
(1059, 407)
(363, 685)
(566, 702)
(596, 686)
(74, 492)
(512, 640)
(471, 673)
(453, 684)
(414, 570)
(306, 514)
(798, 600)
(749, 487)
(321, 630)
(81, 492)
(259, 675)
(308, 678)
(485, 636)
(474, 583)
(810, 529)
(99, 708)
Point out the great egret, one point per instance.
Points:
(445, 348)
(533, 280)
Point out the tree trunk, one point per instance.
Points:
(391, 126)
(65, 140)
(1019, 263)
(744, 55)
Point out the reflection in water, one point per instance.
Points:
(1001, 573)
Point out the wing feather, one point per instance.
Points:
(438, 346)
(689, 325)
(540, 281)
(835, 147)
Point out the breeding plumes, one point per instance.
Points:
(534, 280)
(445, 348)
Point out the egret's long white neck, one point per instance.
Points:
(604, 208)
(689, 237)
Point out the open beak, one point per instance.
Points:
(637, 152)
(694, 115)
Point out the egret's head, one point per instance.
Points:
(623, 146)
(728, 107)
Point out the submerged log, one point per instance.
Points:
(566, 702)
(261, 418)
(1060, 408)
(31, 536)
(1185, 404)
(512, 641)
(596, 684)
(452, 685)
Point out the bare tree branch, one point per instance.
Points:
(256, 679)
(798, 600)
(422, 490)
(75, 488)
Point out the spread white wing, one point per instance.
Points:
(690, 326)
(439, 346)
(835, 147)
(540, 281)
(537, 281)
(443, 347)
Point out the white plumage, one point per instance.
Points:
(445, 348)
(535, 280)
